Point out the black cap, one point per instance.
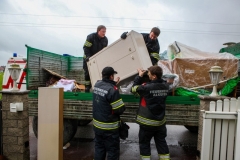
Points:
(107, 71)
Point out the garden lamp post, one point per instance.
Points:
(14, 71)
(215, 74)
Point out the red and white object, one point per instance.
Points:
(7, 83)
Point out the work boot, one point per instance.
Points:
(87, 88)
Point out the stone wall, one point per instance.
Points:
(15, 126)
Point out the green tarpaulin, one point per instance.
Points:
(227, 89)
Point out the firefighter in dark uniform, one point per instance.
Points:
(151, 42)
(94, 43)
(107, 108)
(151, 112)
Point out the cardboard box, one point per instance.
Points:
(125, 56)
(195, 72)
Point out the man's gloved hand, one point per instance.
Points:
(124, 35)
(87, 59)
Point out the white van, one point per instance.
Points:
(7, 83)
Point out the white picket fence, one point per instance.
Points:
(221, 131)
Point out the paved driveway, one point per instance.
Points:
(182, 144)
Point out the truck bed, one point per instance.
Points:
(179, 110)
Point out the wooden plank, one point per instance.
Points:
(217, 133)
(237, 141)
(50, 124)
(206, 139)
(224, 136)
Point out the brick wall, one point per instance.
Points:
(15, 126)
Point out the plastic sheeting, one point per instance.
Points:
(179, 50)
(164, 55)
(192, 65)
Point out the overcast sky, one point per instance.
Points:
(61, 26)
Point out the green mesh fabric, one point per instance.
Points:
(233, 49)
(228, 88)
(64, 65)
(181, 91)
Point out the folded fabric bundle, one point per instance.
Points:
(67, 85)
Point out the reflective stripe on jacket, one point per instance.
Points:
(105, 126)
(153, 95)
(94, 44)
(153, 48)
(87, 83)
(150, 122)
(107, 105)
(117, 104)
(155, 55)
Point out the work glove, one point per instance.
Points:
(124, 35)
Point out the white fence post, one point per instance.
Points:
(217, 132)
(224, 136)
(221, 131)
(237, 141)
(212, 107)
(238, 103)
(207, 135)
(206, 139)
(231, 131)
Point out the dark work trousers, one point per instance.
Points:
(86, 74)
(107, 143)
(145, 136)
